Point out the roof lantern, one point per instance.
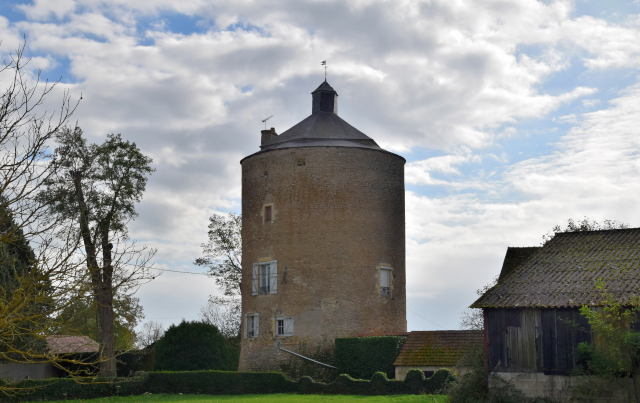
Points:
(325, 99)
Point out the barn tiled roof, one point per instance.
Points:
(445, 347)
(563, 272)
(71, 344)
(516, 257)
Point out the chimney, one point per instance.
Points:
(268, 135)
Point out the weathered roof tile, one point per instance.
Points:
(443, 348)
(563, 272)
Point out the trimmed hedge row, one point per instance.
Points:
(361, 357)
(228, 383)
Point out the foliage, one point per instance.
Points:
(585, 225)
(128, 363)
(361, 357)
(150, 333)
(194, 346)
(616, 348)
(273, 398)
(615, 351)
(226, 383)
(95, 190)
(82, 315)
(17, 259)
(473, 318)
(471, 387)
(31, 303)
(224, 313)
(222, 255)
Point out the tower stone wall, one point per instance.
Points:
(331, 219)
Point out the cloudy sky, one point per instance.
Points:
(513, 115)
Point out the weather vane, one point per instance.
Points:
(265, 121)
(324, 63)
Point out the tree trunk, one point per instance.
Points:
(102, 290)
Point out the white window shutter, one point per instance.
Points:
(273, 281)
(288, 326)
(256, 324)
(245, 325)
(254, 282)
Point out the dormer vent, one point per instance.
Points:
(325, 99)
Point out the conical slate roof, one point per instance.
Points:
(322, 128)
(325, 87)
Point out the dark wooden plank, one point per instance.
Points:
(564, 338)
(548, 320)
(538, 343)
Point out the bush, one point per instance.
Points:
(361, 357)
(223, 382)
(193, 346)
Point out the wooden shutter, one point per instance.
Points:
(273, 277)
(288, 326)
(254, 282)
(245, 325)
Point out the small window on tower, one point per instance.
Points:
(251, 325)
(265, 278)
(284, 327)
(267, 213)
(385, 276)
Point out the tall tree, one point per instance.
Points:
(95, 191)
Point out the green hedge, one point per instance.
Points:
(361, 357)
(224, 382)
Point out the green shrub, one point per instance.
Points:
(220, 382)
(193, 346)
(361, 357)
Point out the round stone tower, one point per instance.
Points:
(323, 237)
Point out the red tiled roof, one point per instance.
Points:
(444, 347)
(72, 344)
(563, 272)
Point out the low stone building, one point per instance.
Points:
(430, 351)
(532, 323)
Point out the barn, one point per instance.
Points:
(532, 323)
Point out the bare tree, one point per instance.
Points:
(223, 257)
(36, 290)
(224, 313)
(150, 333)
(473, 318)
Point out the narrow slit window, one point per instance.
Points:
(267, 213)
(385, 274)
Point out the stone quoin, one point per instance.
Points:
(323, 237)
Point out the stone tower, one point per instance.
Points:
(323, 237)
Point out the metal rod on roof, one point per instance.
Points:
(306, 358)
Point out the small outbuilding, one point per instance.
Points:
(42, 369)
(532, 322)
(430, 351)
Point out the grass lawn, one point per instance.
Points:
(275, 398)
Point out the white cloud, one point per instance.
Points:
(454, 76)
(457, 242)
